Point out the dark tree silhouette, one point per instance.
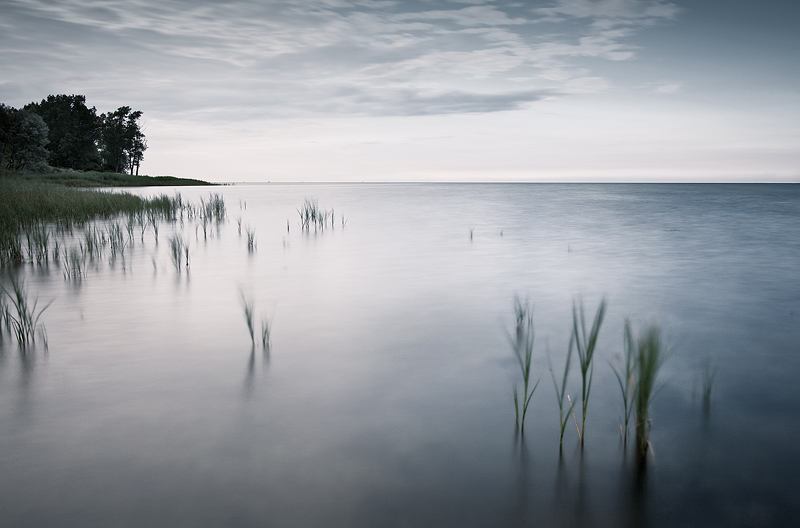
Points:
(73, 131)
(23, 136)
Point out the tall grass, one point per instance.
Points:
(650, 355)
(625, 377)
(522, 344)
(586, 344)
(24, 323)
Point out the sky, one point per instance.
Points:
(428, 90)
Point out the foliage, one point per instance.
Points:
(23, 137)
(73, 131)
(72, 136)
(122, 143)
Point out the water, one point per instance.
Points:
(386, 397)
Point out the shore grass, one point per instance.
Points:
(28, 207)
(99, 179)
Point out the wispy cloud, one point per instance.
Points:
(285, 57)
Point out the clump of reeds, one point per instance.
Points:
(311, 214)
(250, 235)
(74, 264)
(178, 250)
(522, 344)
(650, 355)
(214, 208)
(25, 322)
(586, 344)
(625, 377)
(116, 239)
(38, 238)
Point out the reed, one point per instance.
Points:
(650, 355)
(522, 344)
(250, 235)
(708, 375)
(38, 238)
(561, 391)
(116, 239)
(177, 249)
(247, 308)
(586, 345)
(74, 264)
(265, 332)
(625, 377)
(311, 214)
(25, 324)
(56, 250)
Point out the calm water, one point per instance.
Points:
(386, 398)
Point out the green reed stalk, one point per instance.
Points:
(522, 344)
(625, 377)
(586, 346)
(650, 355)
(562, 391)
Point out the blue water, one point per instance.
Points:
(386, 395)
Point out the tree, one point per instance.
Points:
(122, 143)
(23, 136)
(73, 131)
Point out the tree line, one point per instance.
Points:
(61, 131)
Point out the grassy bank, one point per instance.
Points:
(33, 205)
(98, 179)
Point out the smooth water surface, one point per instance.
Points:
(385, 398)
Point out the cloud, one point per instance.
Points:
(286, 57)
(668, 88)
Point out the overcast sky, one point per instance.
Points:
(428, 90)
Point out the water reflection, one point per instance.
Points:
(249, 378)
(520, 515)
